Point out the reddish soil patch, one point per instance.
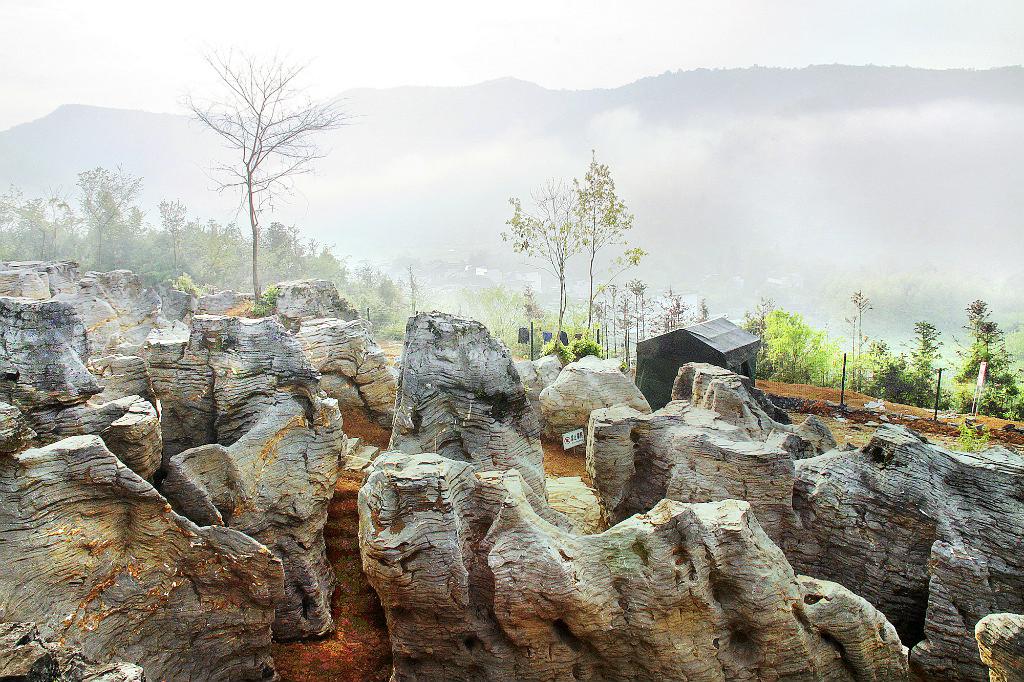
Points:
(356, 424)
(824, 402)
(559, 462)
(359, 649)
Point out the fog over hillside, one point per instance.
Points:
(797, 184)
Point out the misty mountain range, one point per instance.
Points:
(737, 178)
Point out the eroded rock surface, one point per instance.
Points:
(92, 552)
(930, 537)
(26, 656)
(307, 299)
(353, 369)
(217, 383)
(122, 376)
(686, 453)
(273, 484)
(42, 349)
(577, 501)
(736, 401)
(117, 309)
(584, 386)
(477, 586)
(61, 277)
(538, 375)
(24, 284)
(460, 396)
(225, 302)
(1001, 641)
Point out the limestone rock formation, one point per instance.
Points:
(582, 387)
(15, 433)
(26, 656)
(737, 402)
(24, 284)
(477, 586)
(61, 277)
(177, 305)
(577, 501)
(538, 375)
(93, 553)
(1001, 641)
(266, 451)
(307, 299)
(273, 484)
(42, 347)
(686, 453)
(117, 309)
(129, 426)
(122, 376)
(930, 537)
(460, 396)
(214, 385)
(353, 369)
(225, 302)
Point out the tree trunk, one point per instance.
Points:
(255, 241)
(590, 305)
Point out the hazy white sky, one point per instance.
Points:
(145, 55)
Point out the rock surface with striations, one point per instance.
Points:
(1001, 642)
(27, 656)
(477, 586)
(353, 369)
(93, 553)
(307, 299)
(584, 386)
(929, 536)
(259, 449)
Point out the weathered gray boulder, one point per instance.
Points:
(1001, 641)
(930, 537)
(353, 369)
(24, 284)
(93, 553)
(582, 387)
(122, 376)
(215, 385)
(686, 453)
(225, 302)
(538, 375)
(26, 656)
(118, 310)
(307, 299)
(243, 395)
(578, 502)
(15, 433)
(273, 484)
(733, 398)
(42, 347)
(177, 306)
(459, 395)
(129, 426)
(60, 276)
(477, 586)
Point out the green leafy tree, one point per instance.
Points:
(1001, 396)
(113, 221)
(756, 322)
(549, 232)
(796, 352)
(603, 218)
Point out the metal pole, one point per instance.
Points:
(938, 389)
(842, 391)
(531, 341)
(367, 313)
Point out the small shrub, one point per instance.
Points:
(973, 439)
(555, 347)
(584, 346)
(185, 284)
(266, 304)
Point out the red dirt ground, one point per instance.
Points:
(359, 649)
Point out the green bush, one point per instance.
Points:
(555, 347)
(973, 439)
(585, 346)
(185, 284)
(266, 304)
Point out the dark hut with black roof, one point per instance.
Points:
(717, 342)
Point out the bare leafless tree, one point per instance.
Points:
(270, 124)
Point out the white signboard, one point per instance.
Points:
(572, 439)
(982, 370)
